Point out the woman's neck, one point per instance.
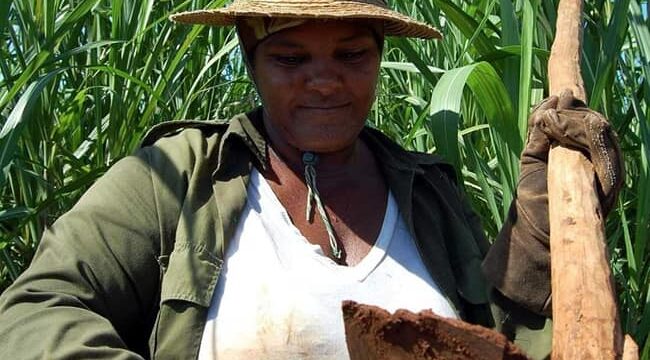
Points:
(331, 163)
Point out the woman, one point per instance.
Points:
(239, 239)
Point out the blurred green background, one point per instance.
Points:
(82, 80)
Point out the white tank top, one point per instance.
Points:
(279, 297)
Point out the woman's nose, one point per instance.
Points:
(324, 78)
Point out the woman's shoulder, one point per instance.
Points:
(178, 131)
(187, 141)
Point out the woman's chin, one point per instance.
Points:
(324, 148)
(325, 142)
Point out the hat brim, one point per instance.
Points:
(395, 24)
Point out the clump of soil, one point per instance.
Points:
(374, 334)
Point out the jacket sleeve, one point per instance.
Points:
(530, 330)
(519, 265)
(89, 292)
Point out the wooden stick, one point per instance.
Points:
(585, 316)
(630, 349)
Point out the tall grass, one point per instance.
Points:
(82, 80)
(80, 83)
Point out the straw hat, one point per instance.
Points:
(395, 24)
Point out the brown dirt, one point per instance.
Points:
(374, 334)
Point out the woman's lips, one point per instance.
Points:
(324, 107)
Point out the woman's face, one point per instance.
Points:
(317, 82)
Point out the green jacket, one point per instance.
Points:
(130, 271)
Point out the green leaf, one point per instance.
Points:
(491, 94)
(526, 64)
(467, 25)
(445, 112)
(413, 56)
(10, 132)
(486, 188)
(5, 259)
(408, 67)
(71, 18)
(33, 67)
(616, 32)
(641, 33)
(489, 91)
(14, 213)
(4, 14)
(225, 50)
(512, 51)
(85, 48)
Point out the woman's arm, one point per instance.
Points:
(90, 291)
(518, 264)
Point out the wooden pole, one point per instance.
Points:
(585, 317)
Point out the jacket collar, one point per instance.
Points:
(248, 129)
(243, 129)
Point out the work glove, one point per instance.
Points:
(518, 263)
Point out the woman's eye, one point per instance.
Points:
(351, 56)
(289, 60)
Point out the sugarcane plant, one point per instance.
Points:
(82, 80)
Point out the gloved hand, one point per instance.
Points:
(571, 123)
(518, 264)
